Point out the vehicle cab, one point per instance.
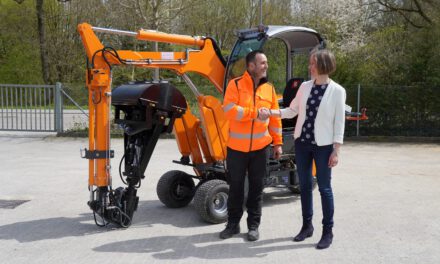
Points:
(287, 49)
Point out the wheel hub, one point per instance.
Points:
(220, 202)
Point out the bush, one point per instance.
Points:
(397, 110)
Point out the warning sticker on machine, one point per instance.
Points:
(167, 55)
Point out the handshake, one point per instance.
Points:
(264, 113)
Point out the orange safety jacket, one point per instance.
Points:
(241, 104)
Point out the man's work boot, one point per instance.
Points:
(230, 230)
(326, 239)
(253, 234)
(306, 231)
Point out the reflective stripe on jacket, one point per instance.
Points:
(241, 104)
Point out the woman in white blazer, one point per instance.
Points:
(319, 134)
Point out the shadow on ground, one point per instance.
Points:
(201, 246)
(148, 214)
(50, 228)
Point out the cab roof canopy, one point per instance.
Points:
(297, 39)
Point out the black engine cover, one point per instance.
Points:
(165, 96)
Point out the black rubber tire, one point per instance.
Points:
(210, 201)
(175, 189)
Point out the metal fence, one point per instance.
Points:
(395, 110)
(75, 103)
(31, 108)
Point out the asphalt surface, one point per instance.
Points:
(387, 202)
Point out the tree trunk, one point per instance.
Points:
(42, 38)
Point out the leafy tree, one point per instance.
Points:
(19, 53)
(418, 13)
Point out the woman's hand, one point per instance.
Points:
(263, 113)
(333, 160)
(334, 157)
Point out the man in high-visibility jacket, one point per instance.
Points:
(249, 137)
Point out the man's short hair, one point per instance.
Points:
(250, 57)
(325, 61)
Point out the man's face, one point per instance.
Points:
(258, 68)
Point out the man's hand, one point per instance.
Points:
(277, 151)
(263, 113)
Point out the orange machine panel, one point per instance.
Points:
(185, 130)
(216, 126)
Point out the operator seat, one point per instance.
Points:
(289, 93)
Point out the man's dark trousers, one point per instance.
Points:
(238, 163)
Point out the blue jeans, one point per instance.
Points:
(305, 153)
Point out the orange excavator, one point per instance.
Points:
(147, 109)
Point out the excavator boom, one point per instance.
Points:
(206, 60)
(143, 110)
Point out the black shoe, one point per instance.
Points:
(253, 235)
(326, 239)
(230, 230)
(306, 231)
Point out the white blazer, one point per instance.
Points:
(330, 119)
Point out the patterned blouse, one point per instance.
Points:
(313, 102)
